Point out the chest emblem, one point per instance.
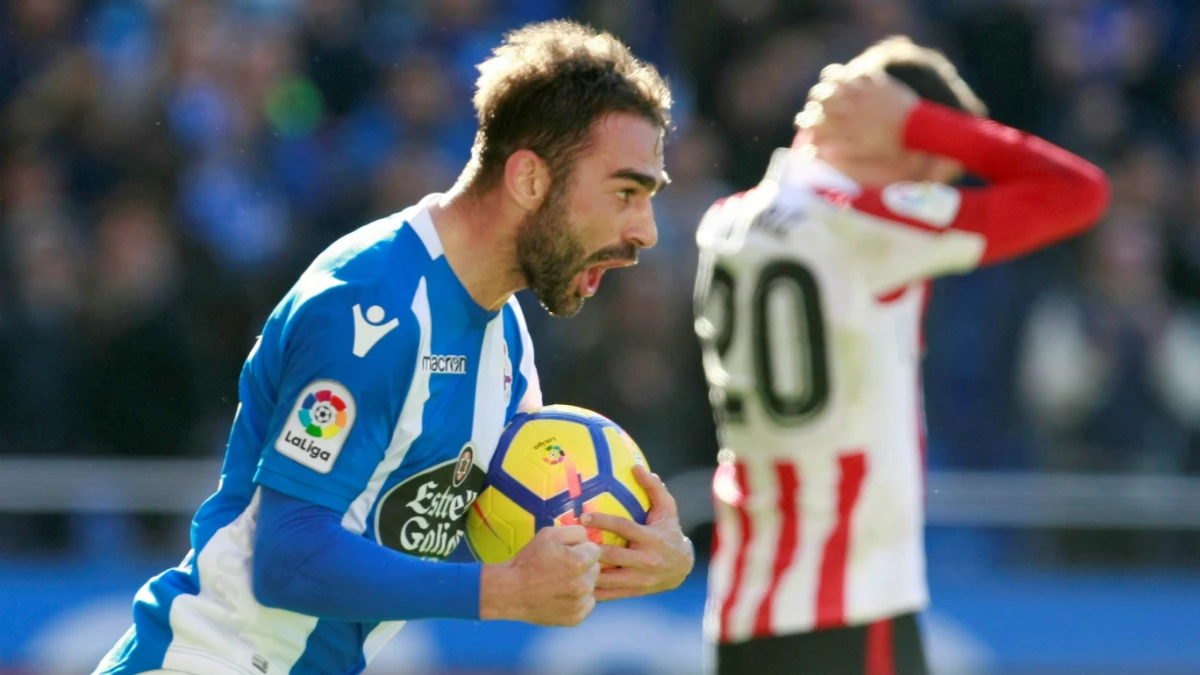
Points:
(425, 515)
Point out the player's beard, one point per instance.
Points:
(550, 255)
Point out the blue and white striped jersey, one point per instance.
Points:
(379, 388)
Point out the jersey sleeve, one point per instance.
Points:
(347, 356)
(1036, 194)
(306, 562)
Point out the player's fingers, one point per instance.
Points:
(567, 535)
(620, 556)
(826, 129)
(662, 504)
(585, 554)
(851, 94)
(592, 574)
(811, 117)
(622, 527)
(585, 610)
(858, 82)
(838, 109)
(617, 577)
(833, 71)
(822, 91)
(606, 594)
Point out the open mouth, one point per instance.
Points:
(589, 279)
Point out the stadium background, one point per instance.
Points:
(168, 167)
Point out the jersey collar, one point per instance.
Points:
(798, 167)
(422, 223)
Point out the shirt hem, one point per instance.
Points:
(712, 634)
(198, 662)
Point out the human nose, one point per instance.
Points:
(642, 231)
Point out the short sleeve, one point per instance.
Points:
(904, 233)
(347, 358)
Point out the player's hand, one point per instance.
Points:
(859, 115)
(550, 582)
(658, 558)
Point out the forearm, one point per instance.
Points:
(1037, 193)
(989, 149)
(306, 562)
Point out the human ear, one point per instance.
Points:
(527, 179)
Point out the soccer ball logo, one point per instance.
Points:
(554, 455)
(323, 414)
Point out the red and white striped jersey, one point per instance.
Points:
(810, 297)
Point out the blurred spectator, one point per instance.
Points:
(39, 33)
(258, 131)
(1112, 368)
(140, 387)
(44, 258)
(698, 159)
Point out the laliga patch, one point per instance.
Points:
(932, 203)
(317, 428)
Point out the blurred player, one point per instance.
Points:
(810, 298)
(382, 381)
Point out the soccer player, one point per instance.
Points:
(810, 298)
(382, 381)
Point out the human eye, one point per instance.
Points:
(625, 194)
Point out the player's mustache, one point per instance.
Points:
(627, 253)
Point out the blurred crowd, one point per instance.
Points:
(168, 167)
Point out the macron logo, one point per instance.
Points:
(370, 329)
(444, 365)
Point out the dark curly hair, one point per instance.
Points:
(927, 71)
(545, 86)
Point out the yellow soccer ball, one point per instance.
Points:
(550, 467)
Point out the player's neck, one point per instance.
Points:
(477, 236)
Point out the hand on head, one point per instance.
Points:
(856, 115)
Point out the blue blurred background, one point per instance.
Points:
(168, 167)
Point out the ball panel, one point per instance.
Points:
(518, 493)
(497, 527)
(546, 454)
(506, 439)
(625, 454)
(566, 501)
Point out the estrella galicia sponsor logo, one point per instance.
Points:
(316, 430)
(425, 515)
(444, 364)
